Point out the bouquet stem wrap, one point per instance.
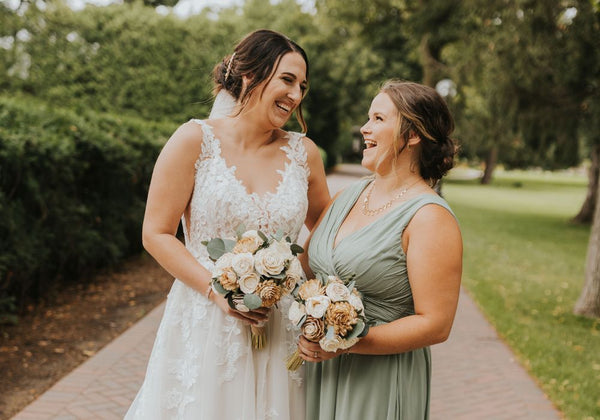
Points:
(259, 336)
(294, 361)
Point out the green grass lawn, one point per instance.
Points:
(524, 265)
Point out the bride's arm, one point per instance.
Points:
(169, 195)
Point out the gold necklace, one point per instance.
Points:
(365, 207)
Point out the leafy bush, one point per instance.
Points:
(72, 192)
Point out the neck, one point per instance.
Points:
(393, 181)
(250, 135)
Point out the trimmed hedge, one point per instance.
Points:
(72, 193)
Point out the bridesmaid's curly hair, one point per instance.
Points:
(257, 55)
(422, 111)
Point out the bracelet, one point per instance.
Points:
(209, 291)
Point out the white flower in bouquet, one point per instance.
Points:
(243, 264)
(316, 306)
(249, 282)
(337, 291)
(222, 263)
(283, 248)
(331, 344)
(269, 262)
(296, 312)
(356, 302)
(250, 241)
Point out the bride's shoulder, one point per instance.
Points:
(187, 139)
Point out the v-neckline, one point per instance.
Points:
(335, 245)
(232, 169)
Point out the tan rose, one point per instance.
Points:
(228, 279)
(247, 244)
(342, 316)
(313, 329)
(269, 292)
(310, 289)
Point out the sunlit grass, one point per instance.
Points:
(524, 265)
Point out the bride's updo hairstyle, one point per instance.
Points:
(422, 111)
(256, 56)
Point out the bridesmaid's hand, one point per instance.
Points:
(255, 317)
(312, 352)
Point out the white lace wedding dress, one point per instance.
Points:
(202, 365)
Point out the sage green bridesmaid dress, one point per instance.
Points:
(364, 387)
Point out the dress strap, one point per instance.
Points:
(210, 146)
(296, 152)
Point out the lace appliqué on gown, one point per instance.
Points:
(202, 365)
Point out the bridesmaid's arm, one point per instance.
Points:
(433, 247)
(168, 197)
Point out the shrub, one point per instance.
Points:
(72, 193)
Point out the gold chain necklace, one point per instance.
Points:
(365, 207)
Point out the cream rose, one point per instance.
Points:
(316, 306)
(222, 263)
(349, 342)
(296, 312)
(332, 344)
(243, 264)
(268, 262)
(228, 279)
(283, 248)
(337, 291)
(356, 302)
(294, 270)
(249, 282)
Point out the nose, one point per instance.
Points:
(295, 94)
(365, 128)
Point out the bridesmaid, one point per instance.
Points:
(403, 243)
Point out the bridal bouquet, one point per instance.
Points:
(329, 312)
(254, 271)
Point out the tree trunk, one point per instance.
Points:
(588, 303)
(586, 213)
(490, 165)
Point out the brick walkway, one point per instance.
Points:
(475, 375)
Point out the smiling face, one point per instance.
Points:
(379, 133)
(283, 93)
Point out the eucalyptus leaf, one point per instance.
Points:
(351, 286)
(229, 244)
(252, 301)
(240, 230)
(204, 243)
(302, 320)
(296, 249)
(219, 289)
(216, 248)
(358, 328)
(330, 332)
(263, 236)
(278, 235)
(364, 331)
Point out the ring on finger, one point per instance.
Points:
(316, 355)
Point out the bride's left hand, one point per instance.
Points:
(312, 352)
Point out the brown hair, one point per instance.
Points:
(422, 111)
(257, 55)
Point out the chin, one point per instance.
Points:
(368, 164)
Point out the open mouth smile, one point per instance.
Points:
(370, 144)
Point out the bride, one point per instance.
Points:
(237, 167)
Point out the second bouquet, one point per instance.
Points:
(328, 311)
(254, 271)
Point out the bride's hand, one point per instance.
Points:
(254, 317)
